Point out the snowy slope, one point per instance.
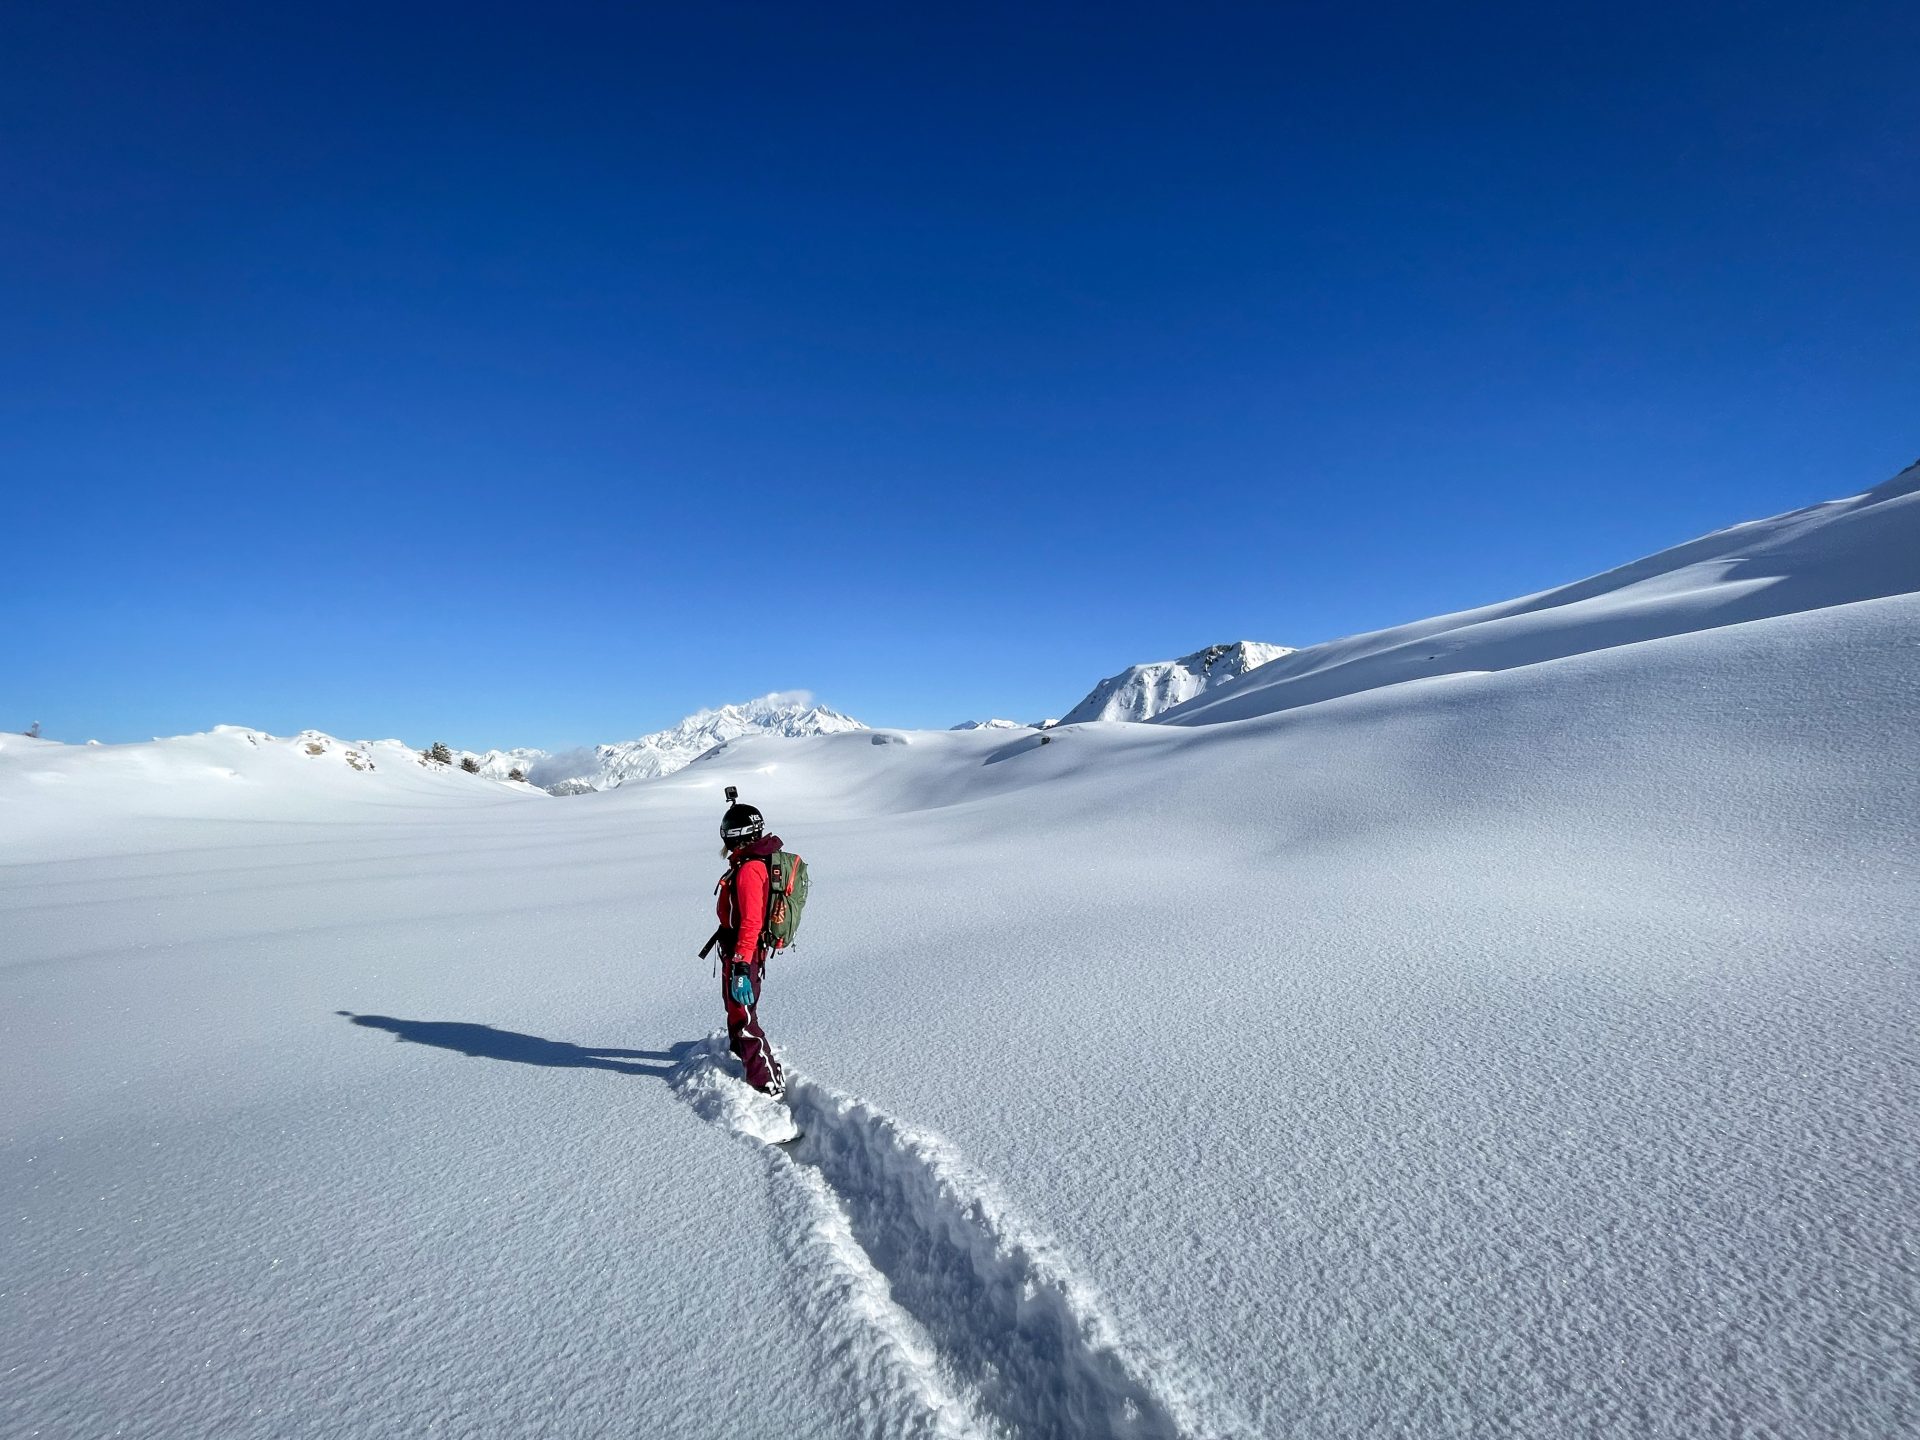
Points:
(1140, 692)
(56, 796)
(1527, 1056)
(1859, 548)
(665, 751)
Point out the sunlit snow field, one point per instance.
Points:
(1520, 1042)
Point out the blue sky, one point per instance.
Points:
(535, 375)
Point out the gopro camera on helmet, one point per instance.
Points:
(742, 824)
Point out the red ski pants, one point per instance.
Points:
(744, 1036)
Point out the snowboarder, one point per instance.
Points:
(743, 896)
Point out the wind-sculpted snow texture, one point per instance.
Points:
(1524, 1050)
(948, 1316)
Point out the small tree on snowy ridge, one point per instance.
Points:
(438, 751)
(469, 764)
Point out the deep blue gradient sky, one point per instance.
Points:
(537, 374)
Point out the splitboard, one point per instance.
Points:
(769, 1121)
(777, 1135)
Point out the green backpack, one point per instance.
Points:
(786, 898)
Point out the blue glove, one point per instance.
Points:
(740, 986)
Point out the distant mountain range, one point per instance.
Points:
(1141, 692)
(604, 767)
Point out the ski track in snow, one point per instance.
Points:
(944, 1316)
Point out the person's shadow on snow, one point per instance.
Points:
(486, 1043)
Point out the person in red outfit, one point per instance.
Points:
(743, 892)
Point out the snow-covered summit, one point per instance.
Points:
(662, 753)
(995, 724)
(1141, 692)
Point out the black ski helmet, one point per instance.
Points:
(741, 825)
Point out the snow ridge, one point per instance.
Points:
(947, 1316)
(1863, 547)
(1141, 692)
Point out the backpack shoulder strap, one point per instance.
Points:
(730, 882)
(732, 879)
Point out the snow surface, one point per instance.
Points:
(1141, 692)
(1526, 1053)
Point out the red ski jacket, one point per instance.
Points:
(744, 892)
